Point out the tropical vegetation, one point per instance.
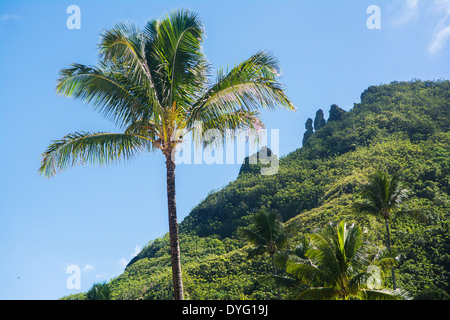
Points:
(99, 291)
(383, 194)
(400, 129)
(267, 234)
(338, 264)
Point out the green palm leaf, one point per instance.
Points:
(337, 265)
(318, 294)
(94, 148)
(249, 86)
(109, 90)
(382, 195)
(124, 42)
(178, 44)
(386, 294)
(308, 273)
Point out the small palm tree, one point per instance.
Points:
(154, 83)
(297, 254)
(336, 265)
(382, 195)
(99, 291)
(267, 234)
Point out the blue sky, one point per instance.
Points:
(98, 218)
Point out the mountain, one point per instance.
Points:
(401, 127)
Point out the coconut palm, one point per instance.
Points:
(155, 84)
(338, 265)
(267, 234)
(382, 195)
(297, 254)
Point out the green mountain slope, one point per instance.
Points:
(400, 127)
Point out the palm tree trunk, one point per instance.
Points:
(173, 231)
(388, 240)
(274, 269)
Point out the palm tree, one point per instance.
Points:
(99, 291)
(336, 265)
(267, 234)
(382, 195)
(297, 254)
(154, 83)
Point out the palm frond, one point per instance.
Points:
(178, 42)
(308, 273)
(215, 131)
(251, 236)
(354, 241)
(386, 261)
(145, 128)
(256, 251)
(249, 86)
(356, 282)
(125, 42)
(111, 93)
(285, 281)
(325, 255)
(318, 293)
(396, 191)
(93, 148)
(386, 294)
(382, 194)
(366, 208)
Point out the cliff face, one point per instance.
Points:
(335, 114)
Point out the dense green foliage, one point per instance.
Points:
(339, 264)
(399, 128)
(99, 291)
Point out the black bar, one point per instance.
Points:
(223, 309)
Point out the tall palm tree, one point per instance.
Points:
(154, 83)
(382, 195)
(267, 234)
(336, 266)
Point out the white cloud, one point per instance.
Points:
(408, 11)
(123, 262)
(442, 31)
(439, 40)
